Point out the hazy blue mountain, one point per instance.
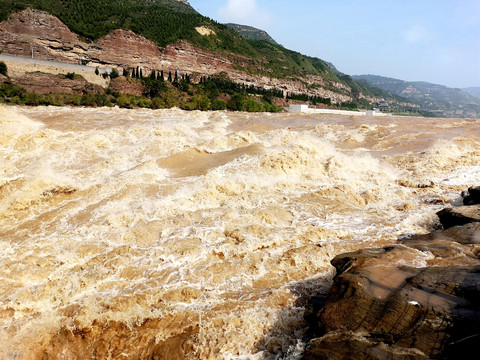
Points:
(474, 91)
(430, 97)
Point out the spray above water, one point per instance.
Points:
(132, 233)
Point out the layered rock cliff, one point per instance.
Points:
(36, 32)
(419, 299)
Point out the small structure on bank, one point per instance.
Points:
(304, 109)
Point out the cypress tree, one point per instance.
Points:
(152, 75)
(176, 77)
(141, 74)
(162, 77)
(114, 74)
(170, 76)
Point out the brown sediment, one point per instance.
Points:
(124, 222)
(195, 162)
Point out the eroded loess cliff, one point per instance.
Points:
(34, 31)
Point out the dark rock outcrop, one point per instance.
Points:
(419, 299)
(471, 196)
(459, 216)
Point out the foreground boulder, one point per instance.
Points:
(419, 299)
(471, 196)
(459, 216)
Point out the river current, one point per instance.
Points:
(133, 234)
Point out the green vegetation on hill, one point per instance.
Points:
(166, 21)
(159, 21)
(276, 61)
(3, 68)
(251, 33)
(212, 93)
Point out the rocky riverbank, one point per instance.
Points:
(417, 299)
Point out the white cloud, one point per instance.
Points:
(416, 34)
(245, 12)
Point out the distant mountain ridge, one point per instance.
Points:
(474, 91)
(251, 33)
(434, 98)
(181, 34)
(171, 35)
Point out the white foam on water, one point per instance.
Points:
(103, 223)
(464, 175)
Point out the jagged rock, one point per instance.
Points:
(472, 196)
(379, 310)
(3, 79)
(459, 216)
(419, 299)
(467, 234)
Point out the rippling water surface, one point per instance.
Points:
(135, 233)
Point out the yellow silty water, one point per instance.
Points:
(130, 234)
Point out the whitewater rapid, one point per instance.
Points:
(128, 234)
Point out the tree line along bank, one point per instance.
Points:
(160, 90)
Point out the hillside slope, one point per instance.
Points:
(174, 27)
(435, 98)
(251, 33)
(49, 39)
(474, 91)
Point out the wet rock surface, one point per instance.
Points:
(471, 196)
(459, 216)
(419, 299)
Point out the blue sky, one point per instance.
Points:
(427, 40)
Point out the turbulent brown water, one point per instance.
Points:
(167, 234)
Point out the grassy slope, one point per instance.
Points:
(251, 33)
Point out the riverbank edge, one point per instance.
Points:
(385, 304)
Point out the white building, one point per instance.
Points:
(304, 109)
(298, 108)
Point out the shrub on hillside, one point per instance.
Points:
(252, 106)
(236, 102)
(219, 104)
(3, 68)
(114, 74)
(11, 91)
(70, 75)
